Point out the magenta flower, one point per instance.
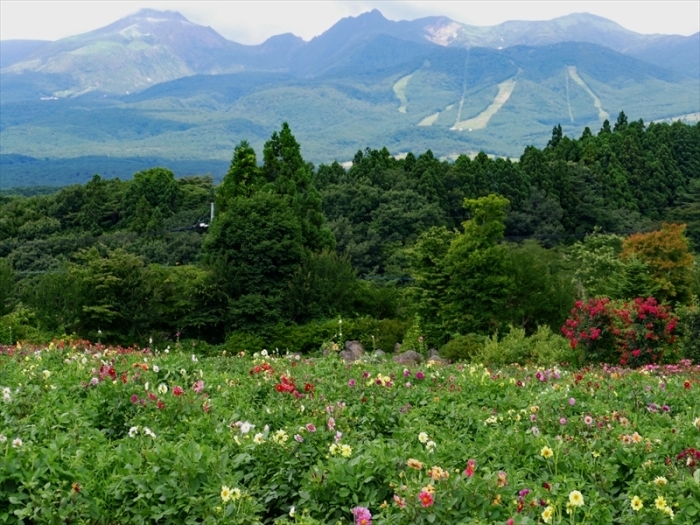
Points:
(406, 372)
(134, 398)
(572, 401)
(311, 427)
(351, 383)
(420, 375)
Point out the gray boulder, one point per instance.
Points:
(411, 357)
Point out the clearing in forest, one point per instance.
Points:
(602, 114)
(505, 89)
(400, 91)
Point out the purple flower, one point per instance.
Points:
(134, 398)
(351, 383)
(572, 401)
(420, 375)
(666, 408)
(406, 372)
(652, 407)
(523, 493)
(365, 374)
(533, 417)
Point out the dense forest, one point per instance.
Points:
(402, 249)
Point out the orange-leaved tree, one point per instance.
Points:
(666, 252)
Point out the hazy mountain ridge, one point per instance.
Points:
(409, 85)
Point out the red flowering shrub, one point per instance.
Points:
(634, 333)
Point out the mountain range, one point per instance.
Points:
(154, 85)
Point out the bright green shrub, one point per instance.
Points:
(463, 347)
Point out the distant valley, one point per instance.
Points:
(154, 87)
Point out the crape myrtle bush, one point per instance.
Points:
(632, 333)
(96, 435)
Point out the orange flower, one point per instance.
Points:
(414, 463)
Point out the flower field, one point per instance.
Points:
(99, 435)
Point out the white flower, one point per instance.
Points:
(292, 511)
(258, 439)
(697, 423)
(194, 358)
(162, 388)
(3, 438)
(423, 437)
(133, 431)
(148, 432)
(156, 369)
(263, 353)
(17, 442)
(6, 397)
(430, 445)
(145, 387)
(46, 374)
(246, 427)
(183, 372)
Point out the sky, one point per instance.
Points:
(252, 22)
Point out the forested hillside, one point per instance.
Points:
(399, 248)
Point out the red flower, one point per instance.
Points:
(160, 405)
(426, 499)
(178, 391)
(686, 385)
(308, 387)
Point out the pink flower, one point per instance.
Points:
(502, 480)
(510, 521)
(311, 427)
(401, 502)
(134, 398)
(408, 384)
(471, 467)
(338, 437)
(420, 375)
(198, 386)
(562, 421)
(362, 516)
(298, 438)
(572, 401)
(351, 383)
(406, 372)
(331, 423)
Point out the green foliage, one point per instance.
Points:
(544, 288)
(481, 276)
(542, 348)
(414, 339)
(7, 286)
(463, 347)
(689, 322)
(597, 263)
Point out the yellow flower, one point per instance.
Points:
(547, 514)
(636, 503)
(534, 409)
(345, 451)
(225, 493)
(423, 437)
(546, 452)
(669, 511)
(660, 481)
(576, 498)
(430, 489)
(334, 449)
(660, 503)
(636, 437)
(596, 454)
(236, 494)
